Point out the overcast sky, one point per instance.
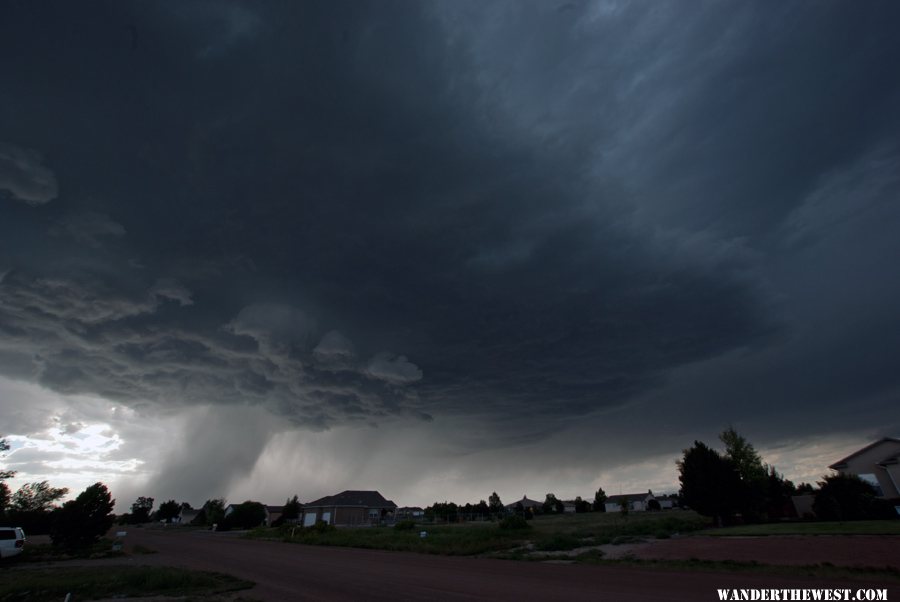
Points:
(252, 249)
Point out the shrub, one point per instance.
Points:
(511, 523)
(405, 525)
(847, 497)
(322, 527)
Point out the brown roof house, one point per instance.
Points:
(878, 464)
(349, 508)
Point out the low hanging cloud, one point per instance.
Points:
(334, 345)
(24, 177)
(279, 329)
(90, 228)
(395, 369)
(77, 337)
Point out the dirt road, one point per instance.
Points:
(297, 572)
(856, 550)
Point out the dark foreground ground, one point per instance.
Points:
(298, 572)
(851, 551)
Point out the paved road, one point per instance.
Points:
(297, 572)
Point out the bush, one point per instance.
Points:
(405, 525)
(322, 527)
(847, 497)
(511, 523)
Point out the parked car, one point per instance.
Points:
(12, 541)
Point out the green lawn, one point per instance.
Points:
(861, 527)
(90, 583)
(606, 527)
(559, 532)
(453, 540)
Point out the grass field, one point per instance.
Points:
(90, 583)
(861, 527)
(546, 533)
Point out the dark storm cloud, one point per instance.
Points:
(23, 177)
(521, 213)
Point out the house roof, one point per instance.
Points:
(411, 509)
(843, 462)
(628, 497)
(353, 498)
(892, 460)
(526, 503)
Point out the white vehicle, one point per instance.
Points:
(12, 541)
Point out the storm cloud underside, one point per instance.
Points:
(467, 230)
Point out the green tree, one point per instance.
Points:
(753, 474)
(36, 497)
(710, 483)
(291, 510)
(805, 489)
(168, 511)
(552, 504)
(778, 494)
(600, 500)
(5, 474)
(582, 506)
(214, 511)
(140, 510)
(4, 497)
(83, 521)
(30, 507)
(246, 516)
(495, 506)
(743, 455)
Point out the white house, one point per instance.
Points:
(878, 464)
(636, 502)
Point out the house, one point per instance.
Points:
(878, 464)
(527, 505)
(410, 513)
(349, 508)
(569, 506)
(273, 513)
(668, 501)
(186, 516)
(635, 502)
